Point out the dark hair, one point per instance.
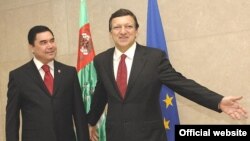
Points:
(35, 30)
(120, 13)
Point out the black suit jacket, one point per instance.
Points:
(138, 117)
(45, 117)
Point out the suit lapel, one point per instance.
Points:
(35, 75)
(110, 71)
(57, 77)
(137, 66)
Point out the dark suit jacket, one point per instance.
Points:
(138, 117)
(45, 117)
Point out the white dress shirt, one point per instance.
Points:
(129, 59)
(39, 65)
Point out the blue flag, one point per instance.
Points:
(156, 39)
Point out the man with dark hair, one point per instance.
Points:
(48, 95)
(134, 112)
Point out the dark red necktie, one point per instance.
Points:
(121, 78)
(48, 78)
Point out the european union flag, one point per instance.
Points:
(156, 39)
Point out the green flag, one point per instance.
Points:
(85, 67)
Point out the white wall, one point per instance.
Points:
(208, 41)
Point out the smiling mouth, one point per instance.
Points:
(52, 52)
(123, 38)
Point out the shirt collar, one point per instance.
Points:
(129, 53)
(39, 64)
